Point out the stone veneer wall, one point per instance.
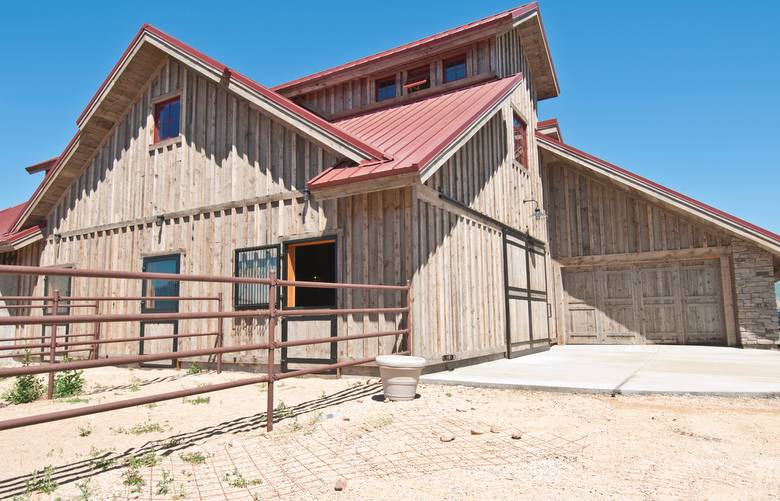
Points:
(754, 286)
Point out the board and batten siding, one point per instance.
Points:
(588, 217)
(501, 54)
(228, 152)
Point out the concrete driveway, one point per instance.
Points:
(700, 370)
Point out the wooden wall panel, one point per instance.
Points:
(459, 308)
(229, 152)
(501, 54)
(588, 217)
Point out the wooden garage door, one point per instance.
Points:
(677, 303)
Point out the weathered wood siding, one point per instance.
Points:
(589, 217)
(460, 303)
(484, 175)
(501, 54)
(230, 152)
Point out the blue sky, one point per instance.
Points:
(685, 93)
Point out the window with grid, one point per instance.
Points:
(255, 262)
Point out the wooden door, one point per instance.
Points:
(661, 304)
(619, 312)
(668, 303)
(702, 300)
(525, 283)
(579, 287)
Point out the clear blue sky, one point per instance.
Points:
(685, 93)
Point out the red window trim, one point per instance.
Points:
(524, 135)
(157, 108)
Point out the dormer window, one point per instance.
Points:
(166, 119)
(385, 88)
(455, 68)
(418, 79)
(519, 129)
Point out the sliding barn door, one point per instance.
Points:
(525, 283)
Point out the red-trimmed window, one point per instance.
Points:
(166, 119)
(520, 129)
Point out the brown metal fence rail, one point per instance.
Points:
(272, 313)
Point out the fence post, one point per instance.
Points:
(220, 335)
(53, 344)
(96, 346)
(409, 318)
(269, 414)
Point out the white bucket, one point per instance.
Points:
(400, 375)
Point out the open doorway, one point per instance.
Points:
(309, 261)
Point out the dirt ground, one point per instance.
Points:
(450, 443)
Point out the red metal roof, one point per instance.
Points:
(701, 205)
(510, 14)
(550, 128)
(413, 134)
(45, 165)
(8, 217)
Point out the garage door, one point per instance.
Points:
(671, 303)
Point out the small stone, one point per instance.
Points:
(477, 431)
(516, 435)
(495, 429)
(446, 437)
(461, 409)
(345, 418)
(340, 484)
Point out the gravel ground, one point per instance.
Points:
(450, 443)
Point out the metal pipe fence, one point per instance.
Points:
(53, 345)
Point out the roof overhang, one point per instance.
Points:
(150, 48)
(527, 18)
(16, 241)
(550, 128)
(733, 225)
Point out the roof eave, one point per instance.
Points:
(763, 238)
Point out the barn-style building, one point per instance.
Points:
(426, 163)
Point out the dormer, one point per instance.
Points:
(497, 46)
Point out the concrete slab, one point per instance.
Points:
(699, 370)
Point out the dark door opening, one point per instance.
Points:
(309, 261)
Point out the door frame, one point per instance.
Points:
(145, 309)
(284, 267)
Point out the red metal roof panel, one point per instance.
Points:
(413, 134)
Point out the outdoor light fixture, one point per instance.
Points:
(538, 212)
(159, 220)
(306, 195)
